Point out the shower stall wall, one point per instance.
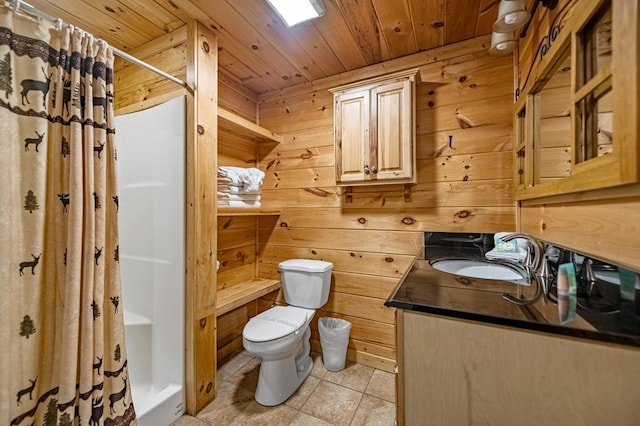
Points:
(151, 173)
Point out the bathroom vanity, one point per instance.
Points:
(466, 355)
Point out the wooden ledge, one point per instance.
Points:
(238, 125)
(246, 211)
(237, 295)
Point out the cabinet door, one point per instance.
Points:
(352, 137)
(392, 131)
(459, 372)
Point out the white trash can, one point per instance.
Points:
(334, 339)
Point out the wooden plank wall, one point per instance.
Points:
(603, 224)
(235, 98)
(137, 88)
(373, 234)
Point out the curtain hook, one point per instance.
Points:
(59, 22)
(17, 6)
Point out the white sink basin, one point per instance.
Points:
(479, 268)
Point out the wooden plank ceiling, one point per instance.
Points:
(262, 54)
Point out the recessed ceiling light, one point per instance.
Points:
(295, 11)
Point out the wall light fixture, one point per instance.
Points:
(502, 43)
(512, 15)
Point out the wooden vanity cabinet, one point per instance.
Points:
(375, 130)
(454, 371)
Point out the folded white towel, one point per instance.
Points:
(250, 178)
(238, 197)
(251, 188)
(515, 249)
(249, 175)
(227, 181)
(230, 171)
(235, 189)
(234, 203)
(519, 256)
(230, 180)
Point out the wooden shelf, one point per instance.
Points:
(237, 295)
(238, 125)
(247, 211)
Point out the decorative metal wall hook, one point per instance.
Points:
(547, 40)
(451, 142)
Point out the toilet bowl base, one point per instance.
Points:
(271, 392)
(279, 379)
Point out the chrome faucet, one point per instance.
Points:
(536, 265)
(533, 260)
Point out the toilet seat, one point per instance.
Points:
(276, 323)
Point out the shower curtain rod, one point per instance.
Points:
(19, 4)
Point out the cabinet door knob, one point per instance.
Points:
(366, 169)
(374, 169)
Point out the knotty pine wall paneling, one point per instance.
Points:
(235, 98)
(137, 88)
(200, 295)
(373, 234)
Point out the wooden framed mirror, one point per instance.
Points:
(576, 120)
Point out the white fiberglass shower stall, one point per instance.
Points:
(151, 175)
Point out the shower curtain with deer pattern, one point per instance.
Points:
(63, 359)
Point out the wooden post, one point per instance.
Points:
(200, 291)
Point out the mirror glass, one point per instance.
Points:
(595, 40)
(604, 129)
(552, 147)
(594, 111)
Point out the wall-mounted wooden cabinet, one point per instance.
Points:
(375, 130)
(576, 121)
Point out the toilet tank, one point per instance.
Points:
(306, 282)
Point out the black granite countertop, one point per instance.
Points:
(603, 316)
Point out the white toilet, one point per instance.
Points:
(280, 335)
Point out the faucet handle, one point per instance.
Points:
(529, 256)
(545, 268)
(545, 274)
(587, 279)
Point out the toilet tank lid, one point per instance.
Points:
(306, 265)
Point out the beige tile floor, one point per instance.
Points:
(357, 395)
